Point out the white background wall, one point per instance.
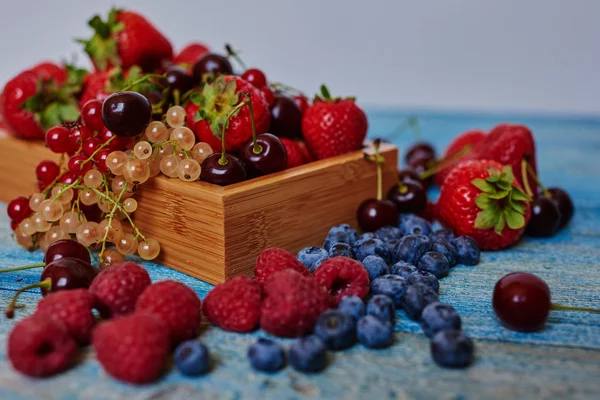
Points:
(509, 55)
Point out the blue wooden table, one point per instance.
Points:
(562, 361)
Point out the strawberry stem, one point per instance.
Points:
(10, 310)
(38, 265)
(570, 308)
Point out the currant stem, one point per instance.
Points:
(525, 178)
(570, 308)
(65, 188)
(111, 216)
(256, 148)
(102, 146)
(10, 310)
(30, 266)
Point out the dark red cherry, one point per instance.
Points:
(47, 171)
(76, 165)
(420, 150)
(231, 171)
(410, 197)
(18, 209)
(373, 214)
(421, 165)
(66, 248)
(57, 139)
(256, 77)
(564, 203)
(521, 301)
(267, 156)
(302, 103)
(210, 66)
(286, 117)
(126, 113)
(178, 79)
(408, 175)
(545, 218)
(91, 115)
(67, 273)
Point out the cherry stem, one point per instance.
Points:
(537, 180)
(379, 172)
(279, 87)
(10, 310)
(102, 146)
(176, 97)
(570, 308)
(525, 178)
(13, 269)
(145, 78)
(223, 160)
(256, 148)
(236, 57)
(446, 162)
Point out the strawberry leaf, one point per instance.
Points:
(484, 186)
(493, 178)
(508, 174)
(500, 195)
(514, 220)
(325, 92)
(504, 185)
(483, 201)
(68, 112)
(487, 218)
(519, 195)
(197, 98)
(499, 227)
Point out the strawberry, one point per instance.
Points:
(483, 200)
(469, 138)
(295, 157)
(49, 70)
(126, 39)
(306, 154)
(95, 87)
(333, 126)
(189, 55)
(216, 101)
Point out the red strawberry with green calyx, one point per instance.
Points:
(482, 199)
(217, 100)
(333, 126)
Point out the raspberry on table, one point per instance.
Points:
(273, 260)
(234, 305)
(416, 298)
(336, 329)
(375, 266)
(341, 250)
(445, 248)
(387, 233)
(415, 225)
(373, 247)
(292, 304)
(403, 269)
(312, 257)
(192, 358)
(467, 250)
(373, 332)
(40, 346)
(176, 304)
(134, 348)
(424, 277)
(434, 263)
(409, 249)
(393, 286)
(382, 307)
(353, 306)
(266, 355)
(116, 289)
(72, 308)
(342, 276)
(439, 316)
(452, 348)
(308, 354)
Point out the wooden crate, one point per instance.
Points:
(214, 233)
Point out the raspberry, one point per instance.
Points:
(295, 157)
(234, 305)
(176, 304)
(72, 308)
(134, 348)
(116, 289)
(292, 305)
(274, 260)
(343, 277)
(40, 346)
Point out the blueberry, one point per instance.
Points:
(335, 237)
(446, 248)
(381, 306)
(266, 355)
(363, 238)
(416, 298)
(192, 358)
(392, 286)
(336, 329)
(424, 277)
(403, 217)
(308, 354)
(467, 250)
(309, 255)
(410, 249)
(373, 247)
(391, 244)
(353, 306)
(348, 230)
(442, 234)
(452, 348)
(403, 269)
(341, 250)
(415, 225)
(375, 266)
(386, 233)
(318, 263)
(435, 263)
(439, 316)
(374, 332)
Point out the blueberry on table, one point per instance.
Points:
(410, 249)
(392, 286)
(442, 234)
(444, 247)
(363, 238)
(415, 225)
(310, 255)
(341, 250)
(381, 306)
(424, 277)
(403, 269)
(434, 263)
(353, 306)
(374, 332)
(336, 329)
(308, 354)
(416, 298)
(451, 348)
(192, 358)
(350, 231)
(439, 316)
(375, 266)
(335, 237)
(391, 244)
(266, 355)
(467, 250)
(387, 233)
(373, 247)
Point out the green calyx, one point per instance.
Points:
(217, 101)
(53, 104)
(502, 203)
(102, 47)
(326, 96)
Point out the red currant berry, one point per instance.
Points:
(77, 136)
(91, 114)
(67, 178)
(76, 165)
(100, 159)
(14, 225)
(301, 102)
(18, 209)
(91, 145)
(47, 171)
(256, 77)
(57, 139)
(522, 301)
(105, 135)
(269, 96)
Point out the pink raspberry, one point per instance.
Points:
(273, 260)
(343, 276)
(292, 305)
(72, 308)
(234, 305)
